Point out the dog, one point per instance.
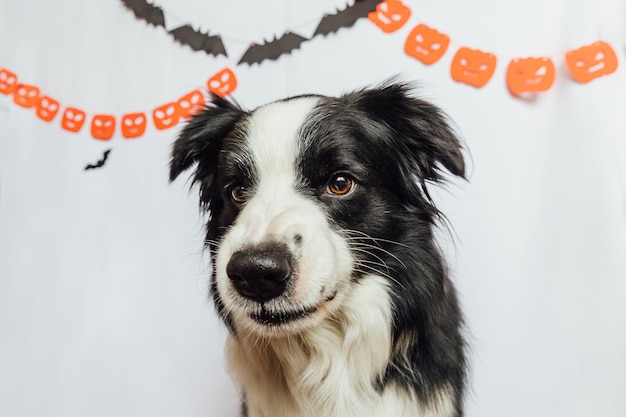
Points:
(325, 268)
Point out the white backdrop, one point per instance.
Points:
(103, 306)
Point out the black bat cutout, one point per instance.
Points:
(101, 162)
(144, 10)
(289, 41)
(272, 50)
(198, 41)
(346, 18)
(256, 53)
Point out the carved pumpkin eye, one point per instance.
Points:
(340, 185)
(238, 193)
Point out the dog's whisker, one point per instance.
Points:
(367, 252)
(378, 272)
(374, 239)
(365, 245)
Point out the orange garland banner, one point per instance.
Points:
(103, 126)
(476, 68)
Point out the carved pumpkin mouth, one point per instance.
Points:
(596, 68)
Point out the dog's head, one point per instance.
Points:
(307, 195)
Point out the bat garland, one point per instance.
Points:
(290, 41)
(256, 53)
(185, 34)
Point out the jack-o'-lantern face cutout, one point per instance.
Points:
(222, 83)
(165, 116)
(530, 75)
(390, 15)
(426, 44)
(103, 126)
(590, 62)
(73, 119)
(26, 95)
(133, 125)
(47, 108)
(190, 103)
(472, 66)
(8, 81)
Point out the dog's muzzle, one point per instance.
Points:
(260, 272)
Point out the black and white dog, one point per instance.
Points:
(325, 268)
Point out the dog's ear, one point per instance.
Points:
(417, 138)
(422, 134)
(201, 139)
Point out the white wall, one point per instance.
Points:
(103, 307)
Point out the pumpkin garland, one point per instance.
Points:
(102, 126)
(476, 68)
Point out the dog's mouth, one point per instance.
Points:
(271, 317)
(276, 318)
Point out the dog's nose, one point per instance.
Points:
(260, 273)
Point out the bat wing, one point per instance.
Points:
(272, 50)
(346, 18)
(145, 11)
(199, 41)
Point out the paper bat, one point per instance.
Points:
(101, 162)
(199, 41)
(145, 11)
(346, 18)
(272, 50)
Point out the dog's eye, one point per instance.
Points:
(238, 194)
(340, 185)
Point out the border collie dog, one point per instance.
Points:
(325, 268)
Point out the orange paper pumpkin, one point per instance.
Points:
(166, 116)
(530, 75)
(190, 103)
(426, 44)
(8, 81)
(47, 108)
(102, 126)
(73, 119)
(472, 66)
(222, 83)
(26, 95)
(133, 125)
(390, 15)
(591, 61)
